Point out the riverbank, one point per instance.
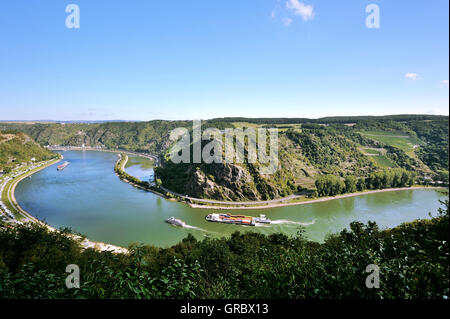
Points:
(224, 205)
(91, 199)
(27, 217)
(152, 157)
(291, 200)
(119, 169)
(12, 187)
(317, 200)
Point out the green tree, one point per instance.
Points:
(350, 184)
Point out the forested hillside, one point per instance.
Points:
(345, 147)
(134, 136)
(17, 147)
(367, 154)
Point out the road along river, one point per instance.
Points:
(88, 197)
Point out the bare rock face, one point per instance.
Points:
(222, 182)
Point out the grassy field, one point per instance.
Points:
(399, 140)
(372, 151)
(378, 155)
(383, 161)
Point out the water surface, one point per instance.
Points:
(140, 167)
(88, 197)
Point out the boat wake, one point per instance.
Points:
(262, 225)
(196, 228)
(179, 223)
(290, 222)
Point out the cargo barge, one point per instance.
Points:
(238, 219)
(62, 166)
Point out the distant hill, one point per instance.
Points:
(17, 147)
(136, 136)
(335, 119)
(309, 148)
(359, 152)
(62, 121)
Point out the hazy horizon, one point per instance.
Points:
(206, 119)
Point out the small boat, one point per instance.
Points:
(262, 219)
(176, 222)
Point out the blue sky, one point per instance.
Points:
(143, 60)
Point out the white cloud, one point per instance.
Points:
(444, 84)
(300, 9)
(287, 21)
(412, 76)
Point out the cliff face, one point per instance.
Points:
(230, 182)
(223, 181)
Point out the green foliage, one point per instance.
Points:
(435, 151)
(329, 185)
(350, 184)
(442, 176)
(16, 148)
(337, 119)
(397, 177)
(134, 180)
(413, 261)
(316, 150)
(331, 150)
(361, 185)
(232, 181)
(150, 136)
(308, 149)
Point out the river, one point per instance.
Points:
(89, 198)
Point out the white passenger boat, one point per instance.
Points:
(176, 222)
